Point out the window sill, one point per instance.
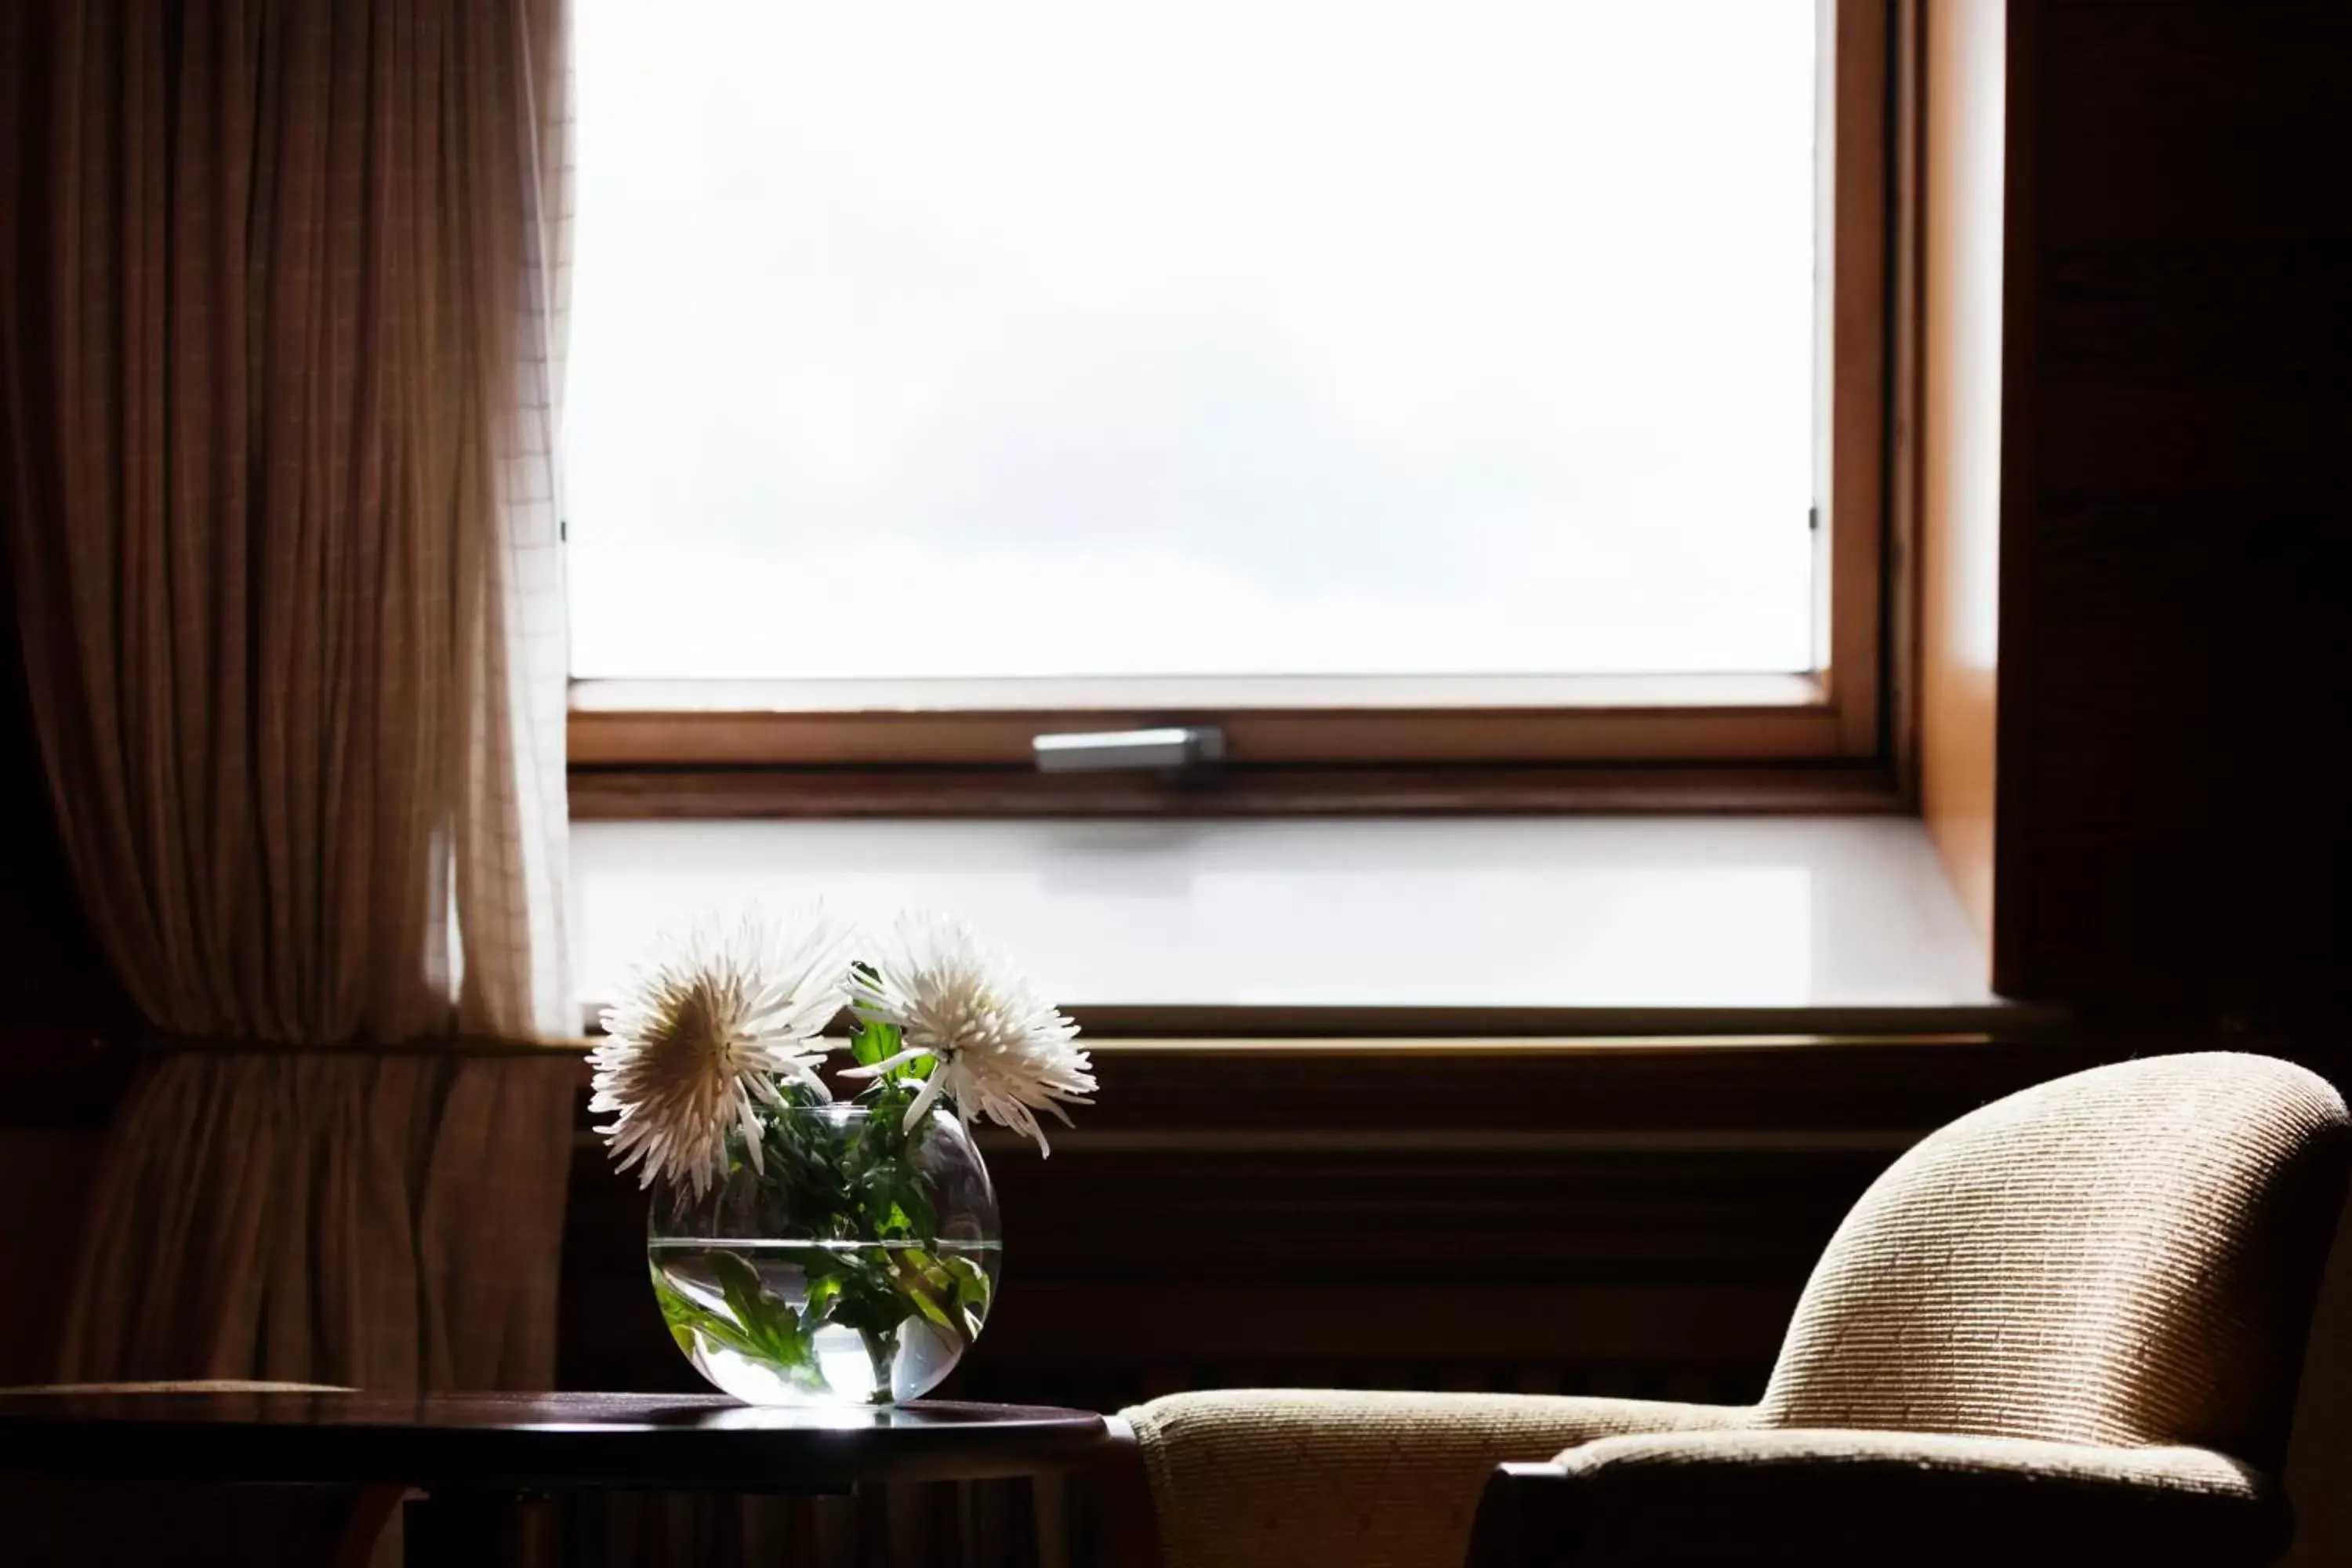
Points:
(1389, 928)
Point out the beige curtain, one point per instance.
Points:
(281, 290)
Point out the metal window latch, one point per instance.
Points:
(1176, 749)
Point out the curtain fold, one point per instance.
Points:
(281, 301)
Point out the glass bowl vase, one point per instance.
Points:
(852, 1266)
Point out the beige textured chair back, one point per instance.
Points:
(2125, 1255)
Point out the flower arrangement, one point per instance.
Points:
(805, 1247)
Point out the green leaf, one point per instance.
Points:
(927, 1268)
(971, 1281)
(914, 1195)
(895, 1201)
(875, 1041)
(929, 1306)
(771, 1325)
(868, 1301)
(677, 1313)
(972, 1291)
(819, 1263)
(689, 1320)
(929, 1289)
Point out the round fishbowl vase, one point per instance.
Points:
(852, 1266)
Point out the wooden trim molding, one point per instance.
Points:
(2012, 868)
(1964, 179)
(622, 792)
(1905, 586)
(1853, 311)
(1266, 724)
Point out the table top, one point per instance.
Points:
(498, 1441)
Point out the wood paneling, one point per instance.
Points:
(1633, 1218)
(2134, 201)
(1959, 184)
(2174, 693)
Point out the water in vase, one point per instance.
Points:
(823, 1322)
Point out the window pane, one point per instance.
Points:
(1417, 337)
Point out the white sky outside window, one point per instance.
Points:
(1021, 338)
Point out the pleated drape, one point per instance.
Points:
(283, 290)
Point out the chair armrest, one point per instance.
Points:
(1300, 1478)
(1836, 1498)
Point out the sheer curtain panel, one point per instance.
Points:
(281, 292)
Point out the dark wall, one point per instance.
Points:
(2174, 702)
(65, 1039)
(2172, 789)
(68, 1023)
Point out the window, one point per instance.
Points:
(1449, 385)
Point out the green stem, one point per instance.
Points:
(882, 1351)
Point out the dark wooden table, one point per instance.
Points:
(475, 1454)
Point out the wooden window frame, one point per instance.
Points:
(1817, 742)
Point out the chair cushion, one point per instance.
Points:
(1832, 1498)
(1302, 1478)
(2127, 1256)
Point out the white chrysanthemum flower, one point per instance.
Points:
(703, 1035)
(999, 1047)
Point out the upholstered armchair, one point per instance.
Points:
(2066, 1329)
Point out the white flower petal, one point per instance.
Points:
(1003, 1051)
(697, 1042)
(910, 1054)
(923, 1101)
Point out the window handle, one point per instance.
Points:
(1176, 749)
